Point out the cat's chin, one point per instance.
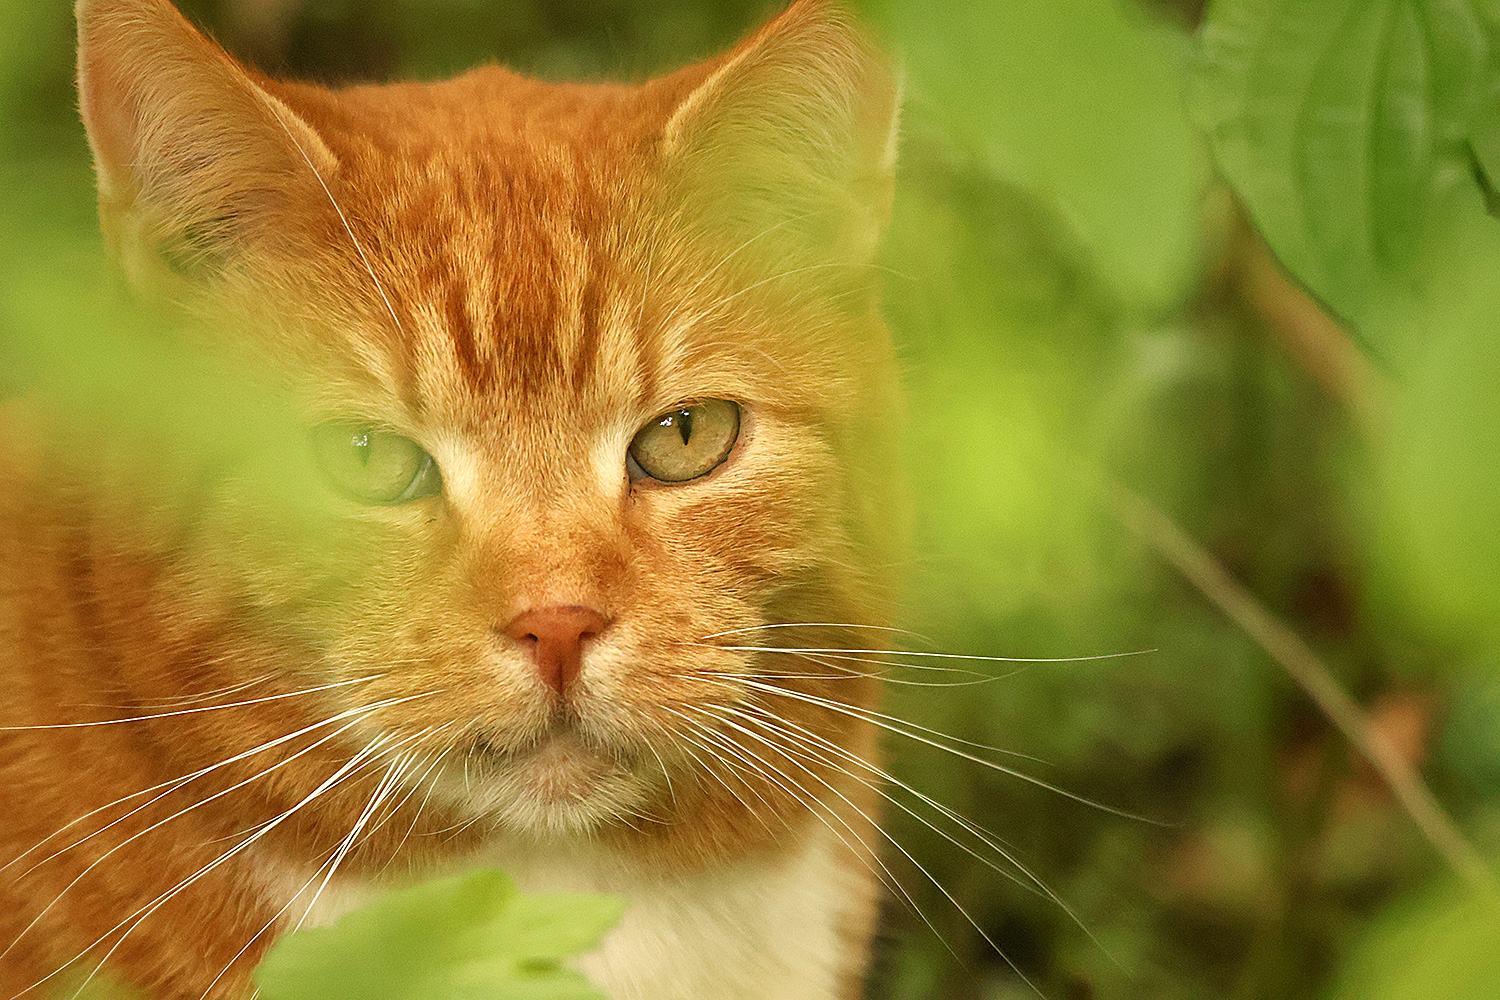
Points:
(557, 785)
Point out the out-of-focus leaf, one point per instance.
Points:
(470, 937)
(1439, 547)
(37, 102)
(1337, 121)
(1078, 102)
(1013, 338)
(1443, 947)
(1484, 142)
(1469, 746)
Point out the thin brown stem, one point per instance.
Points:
(1312, 675)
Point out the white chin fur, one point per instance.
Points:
(558, 788)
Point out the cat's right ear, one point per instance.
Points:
(193, 158)
(790, 142)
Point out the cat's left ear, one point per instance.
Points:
(791, 139)
(194, 159)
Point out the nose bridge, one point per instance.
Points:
(558, 542)
(558, 559)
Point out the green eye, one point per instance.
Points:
(686, 442)
(375, 466)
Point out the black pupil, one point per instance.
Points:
(361, 441)
(684, 421)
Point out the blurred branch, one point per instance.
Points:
(1311, 674)
(1316, 341)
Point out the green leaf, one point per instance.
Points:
(470, 937)
(1336, 122)
(1077, 102)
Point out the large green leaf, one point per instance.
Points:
(1077, 102)
(1336, 122)
(470, 937)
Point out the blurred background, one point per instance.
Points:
(1080, 298)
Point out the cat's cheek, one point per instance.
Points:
(665, 655)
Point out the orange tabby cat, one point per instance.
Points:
(569, 397)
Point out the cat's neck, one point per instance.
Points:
(777, 924)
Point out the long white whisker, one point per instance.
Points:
(136, 918)
(889, 879)
(432, 772)
(771, 625)
(358, 247)
(844, 673)
(124, 843)
(388, 783)
(892, 724)
(883, 660)
(799, 792)
(176, 783)
(760, 766)
(267, 926)
(835, 662)
(1032, 883)
(894, 843)
(189, 711)
(880, 718)
(394, 805)
(297, 895)
(733, 766)
(178, 701)
(940, 656)
(360, 713)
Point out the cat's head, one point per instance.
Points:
(589, 383)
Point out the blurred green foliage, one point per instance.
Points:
(1073, 292)
(1078, 103)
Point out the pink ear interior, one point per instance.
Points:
(192, 155)
(110, 114)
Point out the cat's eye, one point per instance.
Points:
(685, 442)
(374, 465)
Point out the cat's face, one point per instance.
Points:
(589, 383)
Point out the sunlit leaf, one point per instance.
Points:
(1078, 102)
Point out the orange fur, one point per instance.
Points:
(517, 276)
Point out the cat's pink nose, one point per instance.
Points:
(556, 637)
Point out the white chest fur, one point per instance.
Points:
(762, 929)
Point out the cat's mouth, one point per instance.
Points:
(561, 740)
(560, 779)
